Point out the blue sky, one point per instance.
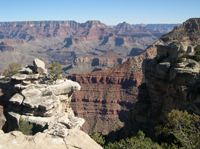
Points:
(110, 12)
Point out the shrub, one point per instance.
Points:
(56, 70)
(179, 59)
(197, 50)
(186, 55)
(192, 64)
(24, 127)
(193, 44)
(138, 141)
(178, 43)
(183, 127)
(197, 58)
(13, 68)
(98, 138)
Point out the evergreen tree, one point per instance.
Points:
(13, 68)
(56, 70)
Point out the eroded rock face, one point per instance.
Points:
(106, 96)
(75, 139)
(170, 84)
(41, 102)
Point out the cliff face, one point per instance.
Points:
(26, 30)
(171, 83)
(106, 96)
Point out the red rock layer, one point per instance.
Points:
(106, 96)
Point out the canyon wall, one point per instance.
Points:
(171, 80)
(106, 96)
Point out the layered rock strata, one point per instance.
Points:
(172, 81)
(106, 96)
(41, 102)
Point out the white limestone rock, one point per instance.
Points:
(71, 121)
(17, 99)
(39, 66)
(75, 139)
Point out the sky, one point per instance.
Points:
(110, 12)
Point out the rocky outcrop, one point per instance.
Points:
(106, 96)
(44, 104)
(41, 102)
(188, 31)
(172, 82)
(75, 139)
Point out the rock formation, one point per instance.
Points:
(107, 95)
(172, 80)
(75, 139)
(45, 104)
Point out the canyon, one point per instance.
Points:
(63, 41)
(106, 95)
(121, 87)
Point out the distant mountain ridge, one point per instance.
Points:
(163, 28)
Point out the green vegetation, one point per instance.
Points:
(56, 70)
(183, 128)
(98, 138)
(13, 68)
(24, 127)
(193, 44)
(192, 64)
(197, 50)
(180, 131)
(179, 59)
(197, 58)
(178, 43)
(138, 141)
(186, 55)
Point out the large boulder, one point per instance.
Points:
(39, 66)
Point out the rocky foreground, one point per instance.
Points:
(44, 104)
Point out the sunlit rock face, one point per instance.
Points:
(40, 101)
